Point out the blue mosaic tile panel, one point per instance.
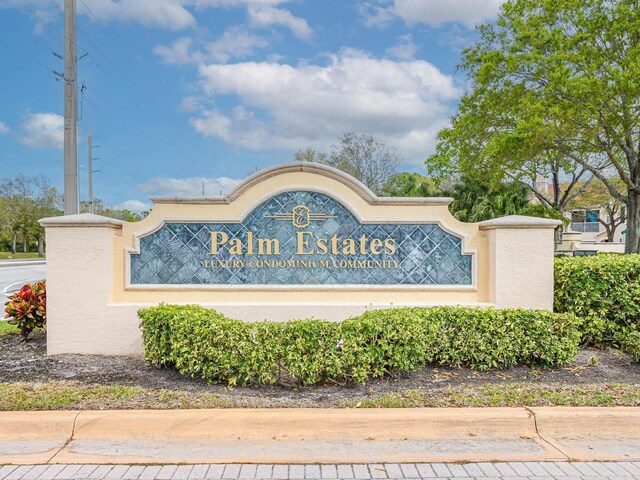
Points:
(180, 253)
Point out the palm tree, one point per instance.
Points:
(475, 201)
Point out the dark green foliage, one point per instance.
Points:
(602, 289)
(204, 343)
(628, 339)
(156, 330)
(475, 200)
(407, 184)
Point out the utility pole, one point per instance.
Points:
(71, 200)
(90, 142)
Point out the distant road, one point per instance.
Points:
(13, 277)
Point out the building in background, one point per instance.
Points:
(594, 214)
(591, 222)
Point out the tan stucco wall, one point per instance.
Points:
(92, 309)
(521, 268)
(80, 315)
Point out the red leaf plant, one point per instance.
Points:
(27, 309)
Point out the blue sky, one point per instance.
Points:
(177, 92)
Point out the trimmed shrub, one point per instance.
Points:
(156, 334)
(629, 341)
(602, 289)
(204, 343)
(27, 309)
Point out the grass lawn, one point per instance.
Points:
(6, 328)
(75, 396)
(19, 256)
(510, 395)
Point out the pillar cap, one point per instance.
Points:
(519, 221)
(81, 220)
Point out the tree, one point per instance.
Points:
(25, 201)
(473, 200)
(310, 155)
(362, 156)
(101, 209)
(409, 185)
(459, 150)
(476, 201)
(125, 215)
(560, 80)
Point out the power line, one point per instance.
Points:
(48, 24)
(123, 76)
(41, 42)
(85, 52)
(59, 75)
(104, 143)
(19, 52)
(113, 64)
(101, 112)
(32, 101)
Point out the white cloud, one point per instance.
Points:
(265, 13)
(437, 12)
(179, 52)
(290, 107)
(266, 16)
(189, 104)
(429, 12)
(373, 15)
(42, 17)
(234, 43)
(235, 3)
(43, 130)
(405, 49)
(186, 187)
(241, 128)
(4, 128)
(133, 205)
(168, 14)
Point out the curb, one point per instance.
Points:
(321, 436)
(15, 287)
(21, 263)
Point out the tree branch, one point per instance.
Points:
(595, 171)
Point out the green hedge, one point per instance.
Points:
(204, 343)
(602, 289)
(628, 339)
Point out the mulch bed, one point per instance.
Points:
(29, 363)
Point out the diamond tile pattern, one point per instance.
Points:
(175, 254)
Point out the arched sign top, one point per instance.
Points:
(310, 168)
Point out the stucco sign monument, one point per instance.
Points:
(294, 241)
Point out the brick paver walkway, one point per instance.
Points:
(495, 471)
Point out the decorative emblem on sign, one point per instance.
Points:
(300, 216)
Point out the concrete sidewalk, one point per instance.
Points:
(325, 436)
(414, 471)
